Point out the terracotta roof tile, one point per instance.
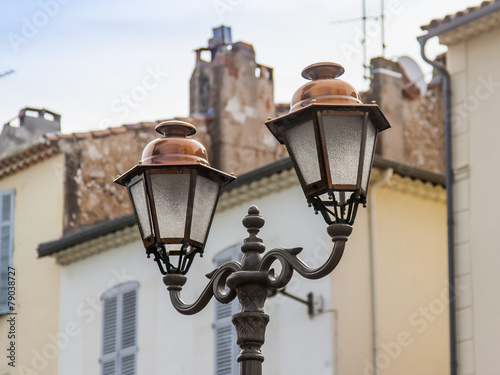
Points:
(452, 17)
(100, 133)
(82, 135)
(63, 136)
(45, 146)
(118, 130)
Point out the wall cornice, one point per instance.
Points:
(408, 185)
(26, 155)
(97, 245)
(471, 30)
(257, 189)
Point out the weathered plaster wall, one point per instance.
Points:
(93, 160)
(417, 134)
(236, 94)
(424, 130)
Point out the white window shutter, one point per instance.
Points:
(226, 349)
(110, 326)
(109, 368)
(129, 319)
(128, 365)
(119, 340)
(6, 245)
(129, 333)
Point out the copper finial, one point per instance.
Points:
(325, 87)
(175, 147)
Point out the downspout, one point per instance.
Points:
(449, 199)
(373, 260)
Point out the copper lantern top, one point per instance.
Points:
(324, 88)
(175, 148)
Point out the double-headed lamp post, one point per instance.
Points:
(330, 136)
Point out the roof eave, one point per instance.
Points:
(95, 231)
(273, 177)
(458, 22)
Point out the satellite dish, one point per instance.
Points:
(414, 84)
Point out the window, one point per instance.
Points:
(6, 244)
(119, 327)
(226, 349)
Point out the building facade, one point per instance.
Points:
(29, 287)
(386, 298)
(473, 40)
(109, 310)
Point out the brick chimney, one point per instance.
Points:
(387, 90)
(235, 95)
(33, 122)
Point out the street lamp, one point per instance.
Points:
(172, 185)
(330, 136)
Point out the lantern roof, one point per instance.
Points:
(175, 148)
(380, 121)
(325, 87)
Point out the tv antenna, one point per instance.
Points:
(364, 18)
(4, 74)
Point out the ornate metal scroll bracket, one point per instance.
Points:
(252, 280)
(215, 287)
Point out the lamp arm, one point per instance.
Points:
(290, 262)
(216, 287)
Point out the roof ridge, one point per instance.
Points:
(97, 133)
(452, 17)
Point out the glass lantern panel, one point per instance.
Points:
(205, 197)
(171, 247)
(170, 194)
(341, 197)
(140, 204)
(302, 142)
(371, 139)
(325, 197)
(343, 145)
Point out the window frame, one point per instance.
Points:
(119, 353)
(4, 270)
(232, 253)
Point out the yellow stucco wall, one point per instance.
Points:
(37, 218)
(351, 301)
(407, 233)
(412, 288)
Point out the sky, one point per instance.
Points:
(102, 63)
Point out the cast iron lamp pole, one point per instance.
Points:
(251, 281)
(330, 136)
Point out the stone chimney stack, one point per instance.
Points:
(33, 122)
(415, 111)
(235, 95)
(387, 91)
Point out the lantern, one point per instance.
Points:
(174, 193)
(330, 136)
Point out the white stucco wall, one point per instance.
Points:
(294, 343)
(171, 343)
(339, 341)
(473, 65)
